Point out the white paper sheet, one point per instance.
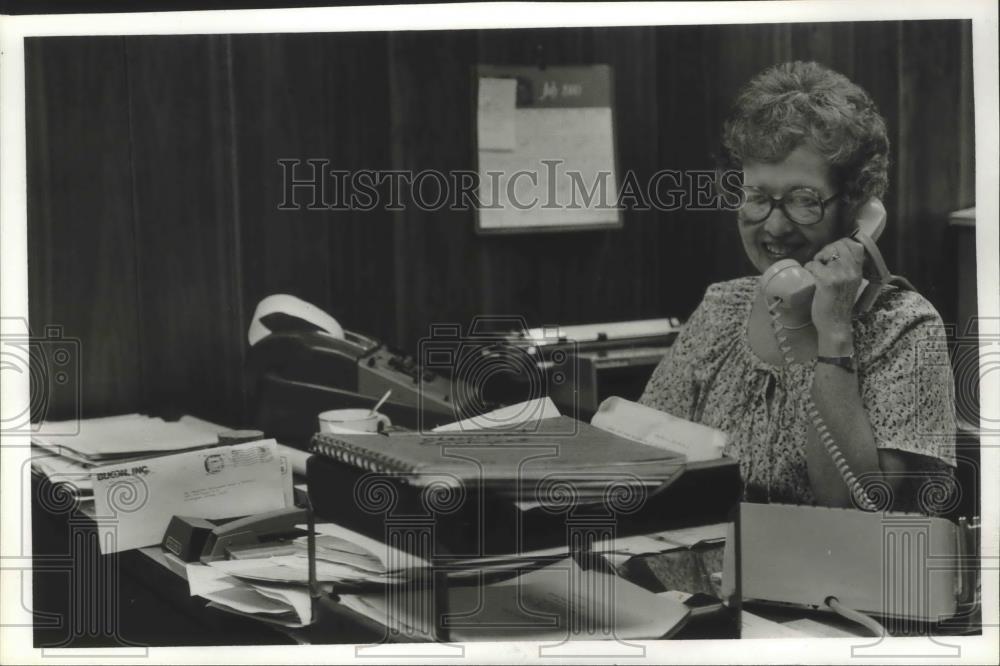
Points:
(295, 569)
(677, 595)
(755, 626)
(391, 558)
(203, 579)
(129, 434)
(247, 600)
(135, 501)
(661, 542)
(582, 139)
(513, 417)
(288, 605)
(664, 431)
(296, 598)
(495, 116)
(264, 605)
(638, 544)
(691, 536)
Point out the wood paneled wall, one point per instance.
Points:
(154, 185)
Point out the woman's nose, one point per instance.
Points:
(777, 223)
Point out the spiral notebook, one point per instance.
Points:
(521, 463)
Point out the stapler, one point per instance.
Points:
(197, 539)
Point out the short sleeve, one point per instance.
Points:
(907, 385)
(673, 388)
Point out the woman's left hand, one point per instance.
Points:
(837, 269)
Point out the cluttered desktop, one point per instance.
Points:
(267, 405)
(376, 499)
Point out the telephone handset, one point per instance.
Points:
(301, 362)
(792, 286)
(788, 290)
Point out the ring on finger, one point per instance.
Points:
(833, 257)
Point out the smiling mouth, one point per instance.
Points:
(778, 250)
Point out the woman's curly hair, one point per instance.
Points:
(798, 103)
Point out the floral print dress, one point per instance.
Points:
(712, 376)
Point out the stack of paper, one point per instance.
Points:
(285, 605)
(275, 588)
(553, 600)
(117, 438)
(557, 602)
(337, 561)
(133, 473)
(66, 453)
(69, 475)
(391, 558)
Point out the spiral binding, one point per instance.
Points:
(825, 436)
(362, 457)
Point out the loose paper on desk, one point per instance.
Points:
(522, 416)
(755, 626)
(662, 541)
(557, 602)
(390, 558)
(127, 435)
(664, 431)
(285, 604)
(136, 500)
(282, 605)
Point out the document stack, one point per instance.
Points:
(65, 453)
(132, 474)
(271, 585)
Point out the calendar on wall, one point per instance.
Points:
(545, 147)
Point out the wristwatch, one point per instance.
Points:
(845, 362)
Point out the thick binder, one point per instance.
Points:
(519, 464)
(477, 519)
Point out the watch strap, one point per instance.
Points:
(845, 362)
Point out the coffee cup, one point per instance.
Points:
(353, 421)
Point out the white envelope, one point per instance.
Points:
(135, 500)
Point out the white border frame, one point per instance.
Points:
(15, 641)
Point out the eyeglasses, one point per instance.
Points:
(803, 205)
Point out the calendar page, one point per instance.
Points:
(546, 150)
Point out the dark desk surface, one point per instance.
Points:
(82, 598)
(139, 598)
(136, 598)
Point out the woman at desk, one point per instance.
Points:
(813, 149)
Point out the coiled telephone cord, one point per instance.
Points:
(825, 436)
